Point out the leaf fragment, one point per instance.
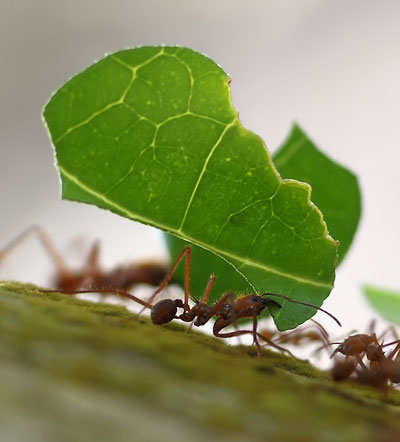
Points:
(385, 302)
(335, 189)
(151, 134)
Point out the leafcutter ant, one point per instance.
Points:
(381, 369)
(91, 275)
(357, 346)
(227, 310)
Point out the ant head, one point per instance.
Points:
(343, 348)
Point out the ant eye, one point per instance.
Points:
(255, 299)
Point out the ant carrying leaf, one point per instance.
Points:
(227, 310)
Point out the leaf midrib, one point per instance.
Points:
(206, 161)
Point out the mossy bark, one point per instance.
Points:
(74, 370)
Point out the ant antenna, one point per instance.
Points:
(327, 345)
(304, 303)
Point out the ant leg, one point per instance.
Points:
(222, 323)
(372, 327)
(216, 307)
(310, 333)
(234, 317)
(47, 244)
(205, 296)
(253, 332)
(92, 271)
(255, 340)
(360, 361)
(393, 352)
(327, 345)
(118, 292)
(208, 289)
(213, 310)
(109, 290)
(392, 330)
(324, 333)
(274, 345)
(92, 259)
(186, 253)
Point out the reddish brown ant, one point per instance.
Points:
(227, 310)
(354, 348)
(92, 276)
(381, 369)
(358, 345)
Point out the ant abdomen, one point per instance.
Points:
(164, 311)
(343, 369)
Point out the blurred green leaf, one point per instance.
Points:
(335, 189)
(385, 302)
(151, 134)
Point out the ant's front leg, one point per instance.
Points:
(221, 323)
(203, 312)
(118, 292)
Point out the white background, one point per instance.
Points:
(331, 65)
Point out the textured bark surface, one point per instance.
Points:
(73, 370)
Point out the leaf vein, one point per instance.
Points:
(222, 253)
(196, 186)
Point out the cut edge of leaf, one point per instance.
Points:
(295, 125)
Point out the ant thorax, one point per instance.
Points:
(248, 306)
(226, 311)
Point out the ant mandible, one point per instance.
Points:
(91, 275)
(227, 310)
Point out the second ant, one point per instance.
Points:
(91, 275)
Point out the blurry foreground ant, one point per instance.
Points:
(227, 310)
(91, 275)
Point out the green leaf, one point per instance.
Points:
(335, 189)
(151, 134)
(385, 302)
(204, 263)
